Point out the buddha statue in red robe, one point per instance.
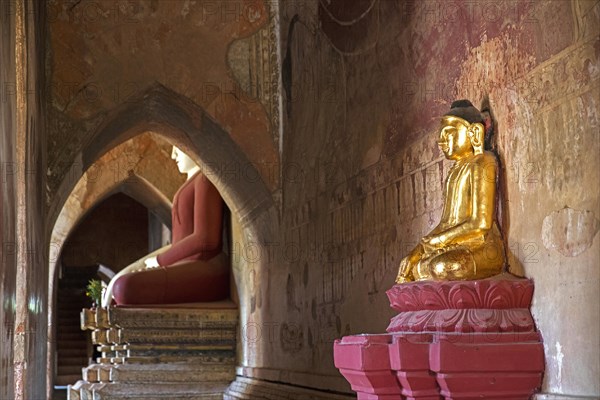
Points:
(193, 268)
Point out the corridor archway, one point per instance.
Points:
(182, 123)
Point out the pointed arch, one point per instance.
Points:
(189, 127)
(186, 125)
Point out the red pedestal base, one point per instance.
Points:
(494, 354)
(364, 362)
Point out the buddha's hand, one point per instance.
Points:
(403, 279)
(404, 271)
(151, 262)
(433, 242)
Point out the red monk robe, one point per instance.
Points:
(193, 269)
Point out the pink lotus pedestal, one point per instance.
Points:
(450, 340)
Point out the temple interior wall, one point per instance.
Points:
(353, 169)
(364, 85)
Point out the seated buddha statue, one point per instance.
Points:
(467, 243)
(193, 268)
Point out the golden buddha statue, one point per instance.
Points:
(467, 243)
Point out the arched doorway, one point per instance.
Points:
(112, 234)
(184, 124)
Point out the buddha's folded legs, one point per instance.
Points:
(135, 266)
(456, 264)
(462, 263)
(197, 281)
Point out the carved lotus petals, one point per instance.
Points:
(429, 295)
(462, 296)
(463, 320)
(489, 305)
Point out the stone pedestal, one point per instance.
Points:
(450, 340)
(409, 360)
(500, 366)
(364, 361)
(159, 353)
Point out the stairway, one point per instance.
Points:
(72, 344)
(178, 352)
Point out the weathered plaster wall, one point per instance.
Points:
(365, 83)
(105, 55)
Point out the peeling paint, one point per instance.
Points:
(559, 365)
(570, 232)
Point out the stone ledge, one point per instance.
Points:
(172, 373)
(194, 391)
(331, 383)
(174, 318)
(253, 389)
(222, 339)
(550, 396)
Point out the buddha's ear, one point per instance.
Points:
(476, 132)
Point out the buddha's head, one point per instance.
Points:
(462, 131)
(184, 163)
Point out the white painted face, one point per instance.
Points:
(184, 163)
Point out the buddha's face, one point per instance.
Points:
(184, 163)
(454, 139)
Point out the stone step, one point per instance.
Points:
(189, 358)
(72, 352)
(172, 373)
(199, 359)
(69, 370)
(178, 350)
(70, 329)
(218, 338)
(110, 391)
(71, 344)
(81, 361)
(74, 336)
(97, 373)
(64, 380)
(67, 319)
(174, 318)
